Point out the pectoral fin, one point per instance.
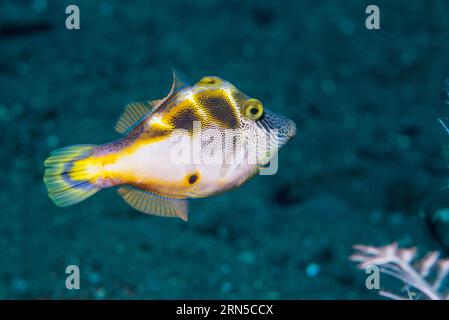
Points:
(151, 203)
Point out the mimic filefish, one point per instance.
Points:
(198, 141)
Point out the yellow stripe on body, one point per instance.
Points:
(137, 164)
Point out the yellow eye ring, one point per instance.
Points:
(253, 109)
(209, 81)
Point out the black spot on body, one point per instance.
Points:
(221, 109)
(193, 178)
(184, 120)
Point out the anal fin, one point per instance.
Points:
(151, 203)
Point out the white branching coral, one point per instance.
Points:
(427, 275)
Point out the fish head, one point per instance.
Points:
(272, 130)
(266, 130)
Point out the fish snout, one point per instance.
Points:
(284, 128)
(291, 129)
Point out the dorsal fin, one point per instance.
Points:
(133, 114)
(180, 82)
(157, 103)
(151, 203)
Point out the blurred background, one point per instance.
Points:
(369, 163)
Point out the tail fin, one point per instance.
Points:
(67, 176)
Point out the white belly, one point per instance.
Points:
(170, 163)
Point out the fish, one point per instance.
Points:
(198, 141)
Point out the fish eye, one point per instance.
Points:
(253, 109)
(209, 81)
